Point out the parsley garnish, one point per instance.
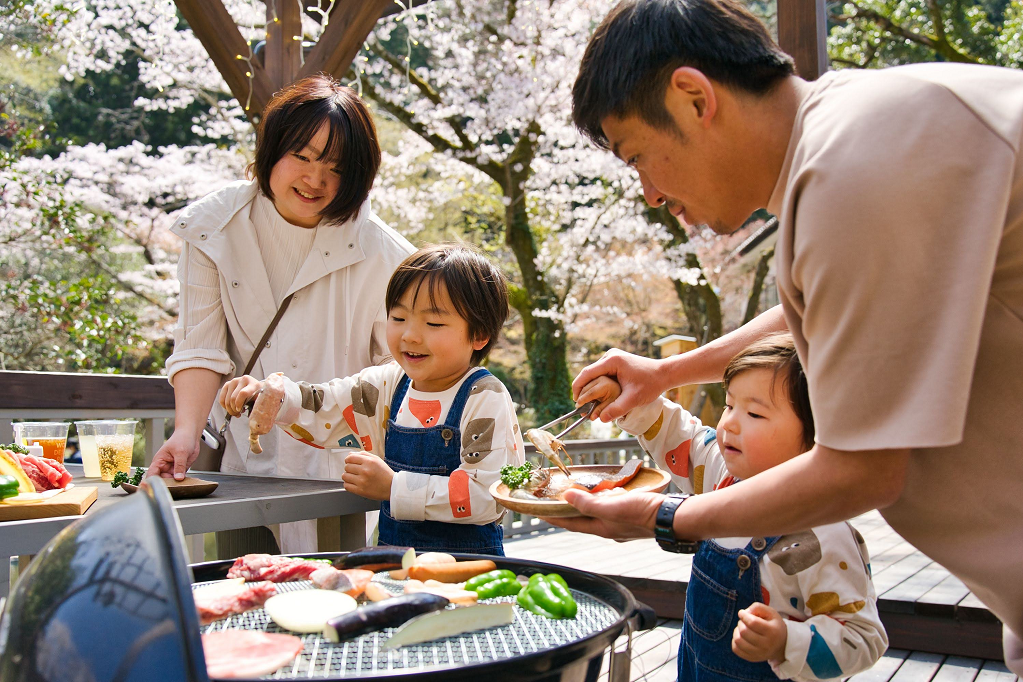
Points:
(516, 476)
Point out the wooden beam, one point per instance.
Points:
(350, 23)
(216, 30)
(283, 56)
(802, 29)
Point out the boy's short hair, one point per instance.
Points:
(777, 352)
(633, 52)
(294, 116)
(476, 286)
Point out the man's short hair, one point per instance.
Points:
(630, 58)
(477, 288)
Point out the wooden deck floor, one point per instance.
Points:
(939, 630)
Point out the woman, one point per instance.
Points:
(303, 225)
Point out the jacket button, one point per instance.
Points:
(294, 365)
(326, 254)
(181, 224)
(267, 344)
(743, 562)
(759, 543)
(235, 284)
(202, 236)
(351, 246)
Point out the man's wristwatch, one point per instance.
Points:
(664, 530)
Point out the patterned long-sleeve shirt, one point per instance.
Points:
(353, 412)
(817, 579)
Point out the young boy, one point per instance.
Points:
(436, 428)
(800, 606)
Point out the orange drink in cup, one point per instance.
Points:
(52, 436)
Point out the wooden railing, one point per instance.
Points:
(59, 395)
(70, 396)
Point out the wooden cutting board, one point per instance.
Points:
(72, 502)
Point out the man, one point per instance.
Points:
(899, 264)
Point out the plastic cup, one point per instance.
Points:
(52, 436)
(87, 431)
(115, 441)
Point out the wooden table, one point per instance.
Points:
(239, 502)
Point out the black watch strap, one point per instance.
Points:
(664, 530)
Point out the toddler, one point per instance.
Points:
(800, 606)
(435, 427)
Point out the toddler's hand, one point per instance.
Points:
(368, 476)
(760, 635)
(603, 388)
(239, 391)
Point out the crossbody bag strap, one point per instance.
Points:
(259, 348)
(266, 336)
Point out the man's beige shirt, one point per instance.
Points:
(900, 269)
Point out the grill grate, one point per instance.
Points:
(365, 656)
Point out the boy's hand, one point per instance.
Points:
(237, 392)
(368, 476)
(603, 388)
(760, 635)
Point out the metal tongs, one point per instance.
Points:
(585, 409)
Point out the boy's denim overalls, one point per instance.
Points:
(723, 581)
(436, 451)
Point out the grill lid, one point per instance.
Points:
(103, 601)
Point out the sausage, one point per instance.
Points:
(451, 573)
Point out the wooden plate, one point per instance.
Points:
(647, 480)
(186, 488)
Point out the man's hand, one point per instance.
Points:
(176, 455)
(760, 635)
(603, 389)
(620, 517)
(642, 381)
(368, 476)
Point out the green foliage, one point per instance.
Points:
(878, 33)
(100, 109)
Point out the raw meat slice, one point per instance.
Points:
(247, 653)
(45, 474)
(222, 601)
(278, 569)
(351, 581)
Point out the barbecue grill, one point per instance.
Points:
(109, 598)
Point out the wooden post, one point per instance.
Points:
(683, 395)
(802, 33)
(283, 54)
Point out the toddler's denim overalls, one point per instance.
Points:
(723, 581)
(436, 451)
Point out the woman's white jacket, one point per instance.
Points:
(334, 326)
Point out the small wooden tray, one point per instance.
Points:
(647, 480)
(72, 502)
(186, 488)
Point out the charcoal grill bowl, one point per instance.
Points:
(577, 660)
(108, 598)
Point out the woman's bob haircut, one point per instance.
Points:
(294, 116)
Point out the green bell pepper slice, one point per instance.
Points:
(545, 598)
(560, 589)
(502, 587)
(529, 604)
(482, 579)
(8, 487)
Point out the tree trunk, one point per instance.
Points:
(753, 302)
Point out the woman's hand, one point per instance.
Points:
(237, 392)
(176, 455)
(642, 381)
(603, 389)
(368, 476)
(620, 517)
(760, 635)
